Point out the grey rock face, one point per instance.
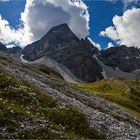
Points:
(79, 62)
(62, 45)
(57, 38)
(3, 48)
(125, 58)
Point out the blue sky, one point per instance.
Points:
(101, 15)
(11, 11)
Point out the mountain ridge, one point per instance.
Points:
(63, 46)
(77, 55)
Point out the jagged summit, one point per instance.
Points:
(125, 58)
(58, 37)
(63, 26)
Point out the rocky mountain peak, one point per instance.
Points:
(59, 36)
(63, 46)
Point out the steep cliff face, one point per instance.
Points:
(62, 45)
(79, 62)
(57, 38)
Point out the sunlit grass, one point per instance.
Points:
(123, 92)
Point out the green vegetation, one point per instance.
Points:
(74, 122)
(26, 113)
(123, 92)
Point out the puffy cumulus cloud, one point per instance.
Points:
(9, 35)
(126, 29)
(110, 32)
(40, 16)
(95, 44)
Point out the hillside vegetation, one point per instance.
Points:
(36, 103)
(27, 113)
(123, 92)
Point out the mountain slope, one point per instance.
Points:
(102, 115)
(47, 63)
(28, 113)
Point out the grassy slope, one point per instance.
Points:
(27, 113)
(123, 92)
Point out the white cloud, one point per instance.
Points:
(95, 44)
(126, 29)
(110, 45)
(39, 16)
(9, 35)
(110, 32)
(10, 46)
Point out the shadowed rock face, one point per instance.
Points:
(79, 61)
(14, 50)
(62, 45)
(125, 58)
(3, 48)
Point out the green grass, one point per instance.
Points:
(123, 92)
(22, 105)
